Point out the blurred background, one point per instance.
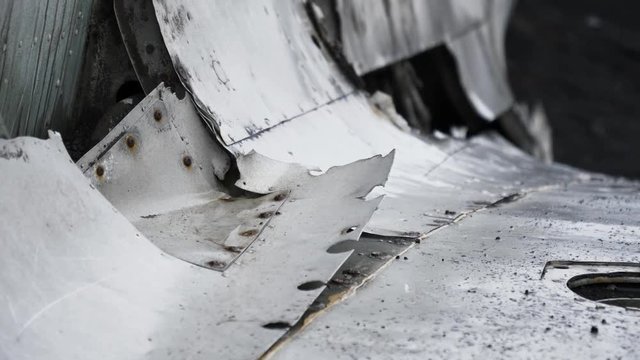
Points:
(581, 59)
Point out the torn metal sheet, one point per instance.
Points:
(76, 270)
(256, 170)
(230, 54)
(42, 48)
(465, 176)
(484, 286)
(371, 253)
(378, 33)
(481, 62)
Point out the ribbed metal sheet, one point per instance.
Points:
(42, 47)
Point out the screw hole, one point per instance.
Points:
(100, 171)
(157, 115)
(131, 142)
(186, 160)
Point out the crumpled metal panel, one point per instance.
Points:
(481, 62)
(467, 175)
(378, 33)
(81, 274)
(484, 287)
(40, 61)
(250, 65)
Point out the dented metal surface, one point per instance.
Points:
(248, 52)
(476, 288)
(132, 282)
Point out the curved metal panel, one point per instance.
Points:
(250, 65)
(42, 53)
(378, 33)
(79, 281)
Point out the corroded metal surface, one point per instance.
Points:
(157, 167)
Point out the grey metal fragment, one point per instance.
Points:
(77, 272)
(378, 33)
(157, 167)
(230, 54)
(476, 287)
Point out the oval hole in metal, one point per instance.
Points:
(277, 325)
(617, 288)
(311, 285)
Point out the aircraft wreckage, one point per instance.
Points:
(294, 179)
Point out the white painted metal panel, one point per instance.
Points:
(249, 64)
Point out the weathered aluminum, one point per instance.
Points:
(475, 288)
(467, 174)
(145, 46)
(42, 47)
(480, 59)
(378, 33)
(250, 65)
(86, 284)
(157, 167)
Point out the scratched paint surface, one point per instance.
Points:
(77, 272)
(250, 65)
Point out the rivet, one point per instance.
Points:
(131, 141)
(157, 115)
(100, 170)
(186, 160)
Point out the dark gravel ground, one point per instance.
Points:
(581, 59)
